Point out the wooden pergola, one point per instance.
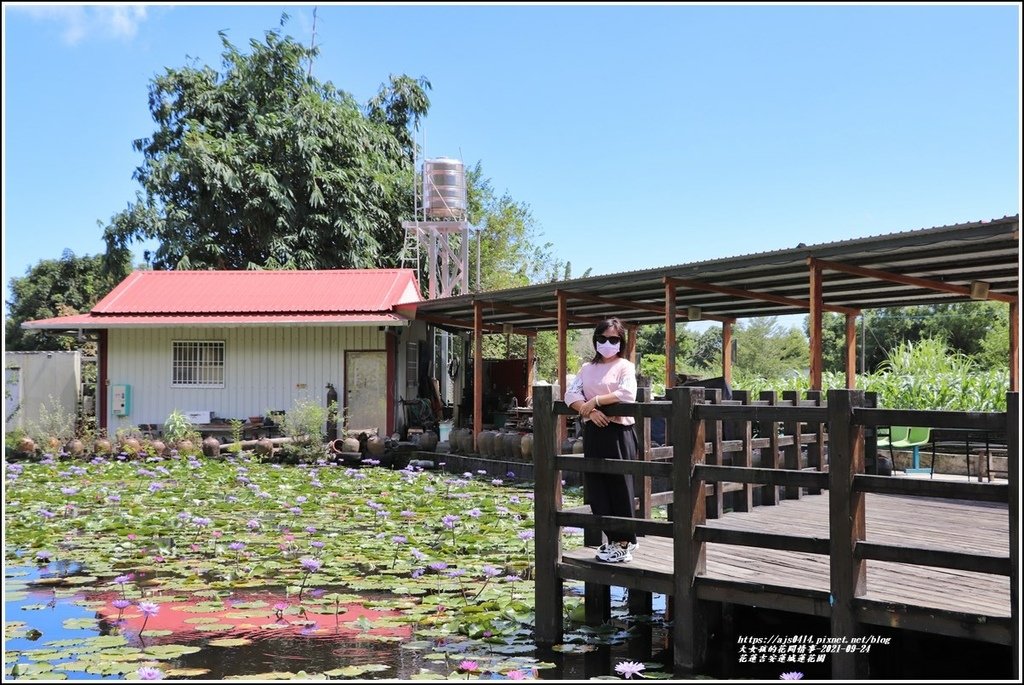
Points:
(972, 261)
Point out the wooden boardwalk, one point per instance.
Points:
(973, 602)
(811, 532)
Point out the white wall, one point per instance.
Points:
(265, 369)
(37, 378)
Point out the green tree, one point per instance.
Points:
(51, 288)
(263, 166)
(765, 349)
(510, 252)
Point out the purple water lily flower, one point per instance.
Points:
(150, 673)
(310, 564)
(792, 675)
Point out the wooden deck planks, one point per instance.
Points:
(953, 525)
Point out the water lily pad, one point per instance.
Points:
(230, 642)
(354, 671)
(81, 624)
(156, 633)
(215, 627)
(185, 672)
(201, 619)
(170, 651)
(574, 648)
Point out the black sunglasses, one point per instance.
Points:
(614, 339)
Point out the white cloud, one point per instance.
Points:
(79, 22)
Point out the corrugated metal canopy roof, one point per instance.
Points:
(956, 255)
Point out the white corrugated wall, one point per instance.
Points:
(265, 369)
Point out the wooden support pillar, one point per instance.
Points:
(530, 365)
(547, 500)
(670, 334)
(848, 572)
(631, 343)
(561, 429)
(1013, 479)
(816, 302)
(851, 351)
(478, 372)
(727, 351)
(1014, 347)
(689, 556)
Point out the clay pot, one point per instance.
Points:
(375, 445)
(102, 446)
(211, 447)
(443, 447)
(514, 446)
(52, 445)
(27, 444)
(185, 446)
(526, 446)
(75, 447)
(159, 447)
(485, 443)
(131, 446)
(428, 441)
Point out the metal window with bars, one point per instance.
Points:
(197, 363)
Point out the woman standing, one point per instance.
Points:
(607, 379)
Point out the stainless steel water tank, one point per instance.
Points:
(444, 188)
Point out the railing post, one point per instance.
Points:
(1013, 479)
(848, 574)
(640, 602)
(743, 500)
(816, 449)
(547, 499)
(770, 493)
(792, 454)
(689, 555)
(717, 508)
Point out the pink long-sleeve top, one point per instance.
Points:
(617, 377)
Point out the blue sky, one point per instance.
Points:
(639, 135)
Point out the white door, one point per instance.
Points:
(366, 390)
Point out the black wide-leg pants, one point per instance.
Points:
(609, 494)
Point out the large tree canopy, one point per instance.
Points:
(51, 288)
(263, 166)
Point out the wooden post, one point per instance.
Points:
(848, 574)
(851, 351)
(561, 429)
(744, 499)
(727, 351)
(670, 334)
(631, 343)
(640, 602)
(547, 500)
(770, 493)
(1013, 479)
(1014, 347)
(717, 508)
(816, 449)
(531, 352)
(689, 556)
(478, 372)
(815, 313)
(791, 454)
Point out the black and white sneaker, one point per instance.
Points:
(616, 553)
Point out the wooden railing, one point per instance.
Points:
(686, 466)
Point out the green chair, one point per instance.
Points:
(916, 436)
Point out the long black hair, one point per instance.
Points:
(601, 329)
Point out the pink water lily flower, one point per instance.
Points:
(628, 669)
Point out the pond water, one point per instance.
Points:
(84, 635)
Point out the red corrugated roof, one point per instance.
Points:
(233, 298)
(260, 292)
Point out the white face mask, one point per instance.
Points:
(607, 349)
